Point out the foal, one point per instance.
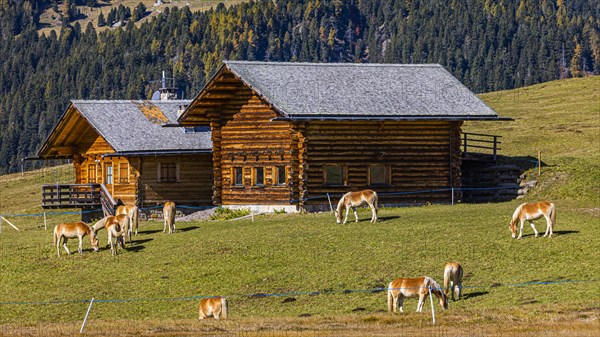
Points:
(116, 226)
(453, 272)
(65, 231)
(132, 212)
(214, 306)
(401, 288)
(357, 199)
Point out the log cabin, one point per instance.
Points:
(285, 135)
(122, 148)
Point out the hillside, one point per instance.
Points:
(562, 120)
(487, 45)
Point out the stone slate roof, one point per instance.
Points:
(137, 126)
(348, 90)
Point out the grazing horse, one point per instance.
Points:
(169, 217)
(132, 212)
(401, 288)
(453, 272)
(116, 226)
(214, 306)
(65, 231)
(357, 199)
(530, 212)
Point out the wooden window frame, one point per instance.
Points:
(120, 179)
(234, 176)
(276, 181)
(109, 179)
(254, 176)
(344, 175)
(94, 169)
(169, 180)
(386, 172)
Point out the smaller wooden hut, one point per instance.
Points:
(121, 150)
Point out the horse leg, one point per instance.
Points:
(534, 230)
(548, 226)
(65, 239)
(452, 290)
(355, 214)
(373, 214)
(521, 230)
(165, 225)
(80, 250)
(421, 302)
(400, 301)
(58, 245)
(347, 212)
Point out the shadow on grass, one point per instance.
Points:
(150, 231)
(386, 218)
(138, 242)
(187, 229)
(475, 294)
(135, 249)
(541, 235)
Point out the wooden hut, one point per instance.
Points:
(122, 149)
(286, 134)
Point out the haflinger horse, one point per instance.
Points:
(132, 212)
(357, 199)
(65, 231)
(116, 226)
(401, 288)
(214, 306)
(169, 216)
(453, 273)
(530, 212)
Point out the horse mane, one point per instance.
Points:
(516, 214)
(342, 202)
(431, 282)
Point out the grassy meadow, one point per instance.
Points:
(292, 254)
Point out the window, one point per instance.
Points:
(280, 179)
(123, 173)
(92, 173)
(258, 176)
(378, 175)
(109, 174)
(334, 175)
(167, 173)
(238, 177)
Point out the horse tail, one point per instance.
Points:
(55, 236)
(447, 272)
(375, 201)
(390, 298)
(224, 308)
(134, 219)
(552, 215)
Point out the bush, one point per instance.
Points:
(228, 214)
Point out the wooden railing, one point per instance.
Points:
(480, 144)
(78, 196)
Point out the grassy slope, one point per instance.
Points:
(51, 20)
(281, 253)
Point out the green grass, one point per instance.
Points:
(304, 253)
(562, 120)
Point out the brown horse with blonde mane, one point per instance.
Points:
(169, 210)
(214, 306)
(453, 273)
(116, 226)
(401, 288)
(65, 231)
(132, 212)
(530, 212)
(357, 199)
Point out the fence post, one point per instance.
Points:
(1, 221)
(86, 315)
(45, 225)
(432, 310)
(330, 205)
(495, 146)
(452, 195)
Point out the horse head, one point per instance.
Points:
(94, 240)
(443, 300)
(513, 228)
(338, 216)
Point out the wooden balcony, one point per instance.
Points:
(87, 196)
